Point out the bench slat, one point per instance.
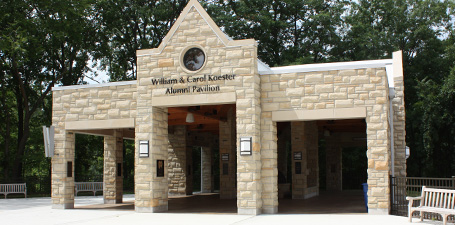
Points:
(6, 189)
(434, 200)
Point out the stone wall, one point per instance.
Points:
(364, 89)
(399, 124)
(195, 28)
(228, 168)
(113, 155)
(114, 101)
(305, 177)
(177, 162)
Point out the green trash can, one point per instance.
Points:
(365, 194)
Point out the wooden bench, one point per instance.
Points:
(88, 186)
(432, 200)
(13, 189)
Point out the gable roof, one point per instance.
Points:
(226, 40)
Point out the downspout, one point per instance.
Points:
(390, 75)
(392, 143)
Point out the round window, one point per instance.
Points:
(194, 59)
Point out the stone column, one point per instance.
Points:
(113, 157)
(298, 146)
(334, 167)
(152, 191)
(206, 170)
(189, 170)
(312, 158)
(63, 170)
(228, 167)
(177, 160)
(269, 157)
(305, 172)
(249, 180)
(378, 143)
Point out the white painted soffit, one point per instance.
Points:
(329, 66)
(263, 67)
(111, 84)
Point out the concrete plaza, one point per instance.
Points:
(90, 210)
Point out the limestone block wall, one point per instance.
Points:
(334, 168)
(62, 184)
(304, 139)
(399, 125)
(177, 162)
(206, 170)
(364, 89)
(115, 101)
(208, 142)
(228, 179)
(237, 58)
(113, 154)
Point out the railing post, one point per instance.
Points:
(453, 182)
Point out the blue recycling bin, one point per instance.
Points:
(365, 194)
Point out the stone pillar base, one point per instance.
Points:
(157, 209)
(113, 201)
(378, 211)
(63, 206)
(272, 210)
(241, 211)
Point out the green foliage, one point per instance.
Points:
(288, 31)
(124, 26)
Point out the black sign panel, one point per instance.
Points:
(298, 168)
(69, 169)
(160, 168)
(225, 168)
(119, 169)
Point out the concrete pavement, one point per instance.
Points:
(38, 211)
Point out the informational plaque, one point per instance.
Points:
(298, 168)
(225, 157)
(160, 168)
(297, 155)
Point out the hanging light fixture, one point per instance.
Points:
(189, 118)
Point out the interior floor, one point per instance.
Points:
(345, 202)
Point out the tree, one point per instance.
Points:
(43, 43)
(125, 26)
(288, 31)
(422, 29)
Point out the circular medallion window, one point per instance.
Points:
(194, 59)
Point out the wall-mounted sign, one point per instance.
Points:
(143, 149)
(245, 145)
(202, 79)
(119, 169)
(298, 168)
(297, 155)
(225, 157)
(69, 169)
(160, 168)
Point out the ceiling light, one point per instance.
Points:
(189, 118)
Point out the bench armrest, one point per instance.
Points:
(413, 198)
